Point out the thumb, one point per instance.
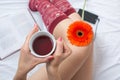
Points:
(35, 29)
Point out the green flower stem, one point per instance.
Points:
(83, 9)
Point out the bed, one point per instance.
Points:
(106, 51)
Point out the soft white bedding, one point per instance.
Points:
(14, 14)
(107, 48)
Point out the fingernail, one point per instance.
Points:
(60, 39)
(51, 58)
(36, 26)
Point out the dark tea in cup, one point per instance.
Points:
(42, 44)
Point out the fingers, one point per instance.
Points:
(62, 48)
(45, 60)
(26, 44)
(67, 50)
(62, 52)
(59, 48)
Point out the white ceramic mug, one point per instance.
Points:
(39, 34)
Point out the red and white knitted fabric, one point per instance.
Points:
(50, 14)
(64, 6)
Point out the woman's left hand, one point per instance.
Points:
(27, 61)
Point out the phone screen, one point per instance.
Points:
(88, 16)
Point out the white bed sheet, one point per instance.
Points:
(8, 65)
(107, 48)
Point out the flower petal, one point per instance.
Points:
(80, 33)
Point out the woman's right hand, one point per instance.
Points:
(61, 53)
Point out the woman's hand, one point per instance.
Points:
(27, 61)
(61, 53)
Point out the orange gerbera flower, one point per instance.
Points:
(80, 33)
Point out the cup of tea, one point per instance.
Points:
(42, 44)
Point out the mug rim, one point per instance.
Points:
(37, 34)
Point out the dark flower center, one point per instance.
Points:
(80, 33)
